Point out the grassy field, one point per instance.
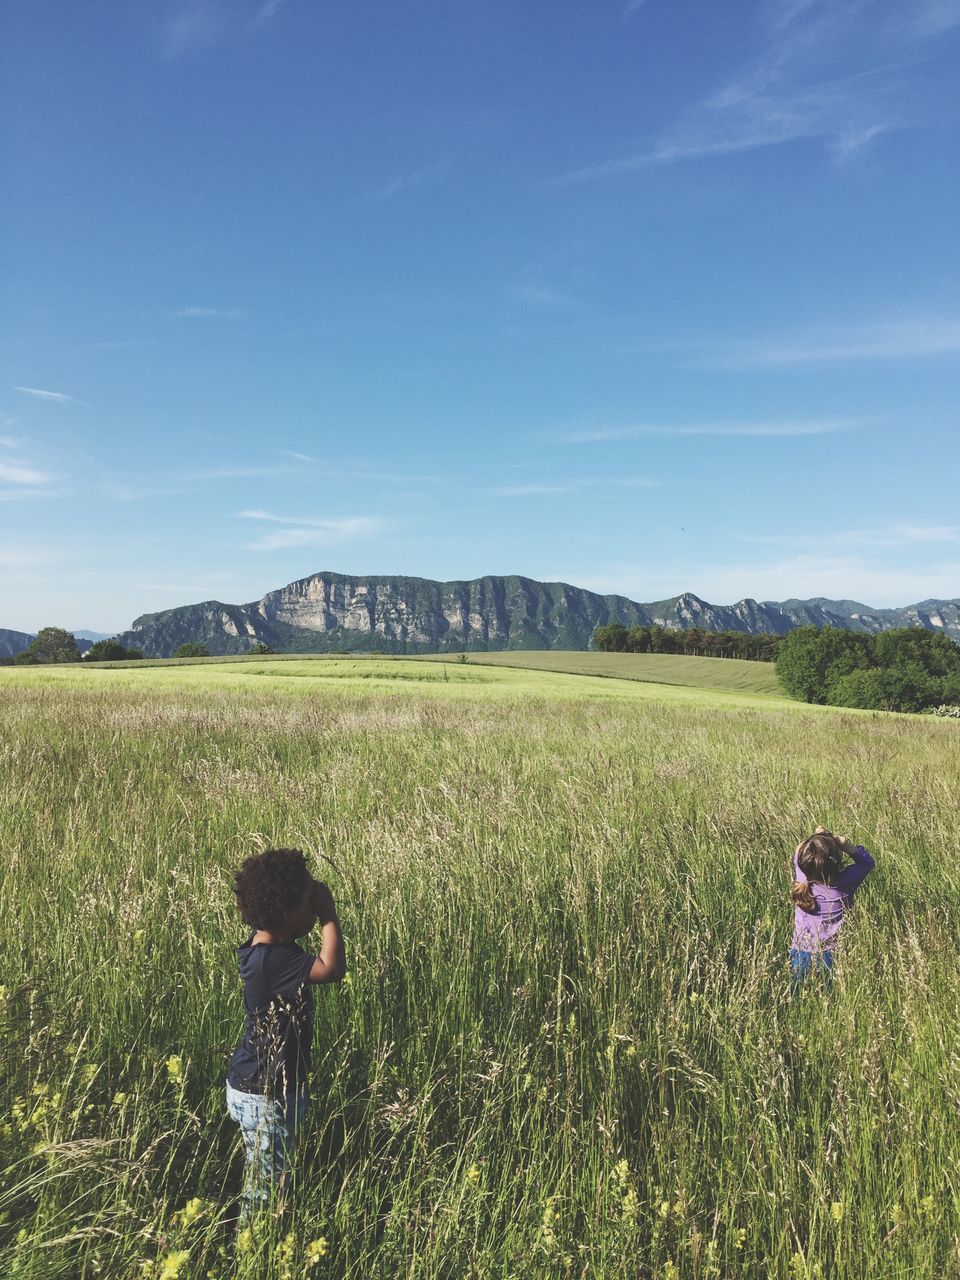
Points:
(567, 1047)
(657, 668)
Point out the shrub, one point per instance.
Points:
(110, 651)
(191, 650)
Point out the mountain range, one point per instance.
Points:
(327, 612)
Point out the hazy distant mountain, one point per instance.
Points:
(92, 636)
(12, 642)
(331, 611)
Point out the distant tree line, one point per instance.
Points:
(692, 641)
(907, 669)
(53, 644)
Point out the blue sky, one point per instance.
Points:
(643, 296)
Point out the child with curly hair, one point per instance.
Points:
(822, 894)
(267, 1084)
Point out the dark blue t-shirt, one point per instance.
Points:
(273, 1055)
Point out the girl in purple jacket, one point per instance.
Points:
(822, 894)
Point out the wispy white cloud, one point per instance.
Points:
(20, 473)
(928, 19)
(57, 397)
(309, 531)
(268, 10)
(530, 490)
(838, 577)
(194, 26)
(27, 479)
(30, 558)
(902, 339)
(236, 473)
(577, 484)
(410, 181)
(638, 430)
(132, 491)
(203, 588)
(209, 313)
(833, 72)
(28, 494)
(888, 537)
(545, 297)
(832, 113)
(929, 533)
(297, 457)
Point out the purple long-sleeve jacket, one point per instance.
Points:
(817, 931)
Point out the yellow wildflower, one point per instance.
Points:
(192, 1210)
(473, 1173)
(316, 1250)
(172, 1264)
(548, 1234)
(284, 1255)
(836, 1211)
(175, 1068)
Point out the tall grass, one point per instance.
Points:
(567, 1046)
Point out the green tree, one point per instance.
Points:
(25, 659)
(659, 639)
(935, 652)
(638, 639)
(260, 648)
(192, 650)
(810, 660)
(612, 638)
(906, 688)
(53, 644)
(110, 651)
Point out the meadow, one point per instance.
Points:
(656, 668)
(567, 1045)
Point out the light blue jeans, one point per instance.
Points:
(803, 963)
(269, 1127)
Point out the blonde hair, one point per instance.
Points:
(819, 857)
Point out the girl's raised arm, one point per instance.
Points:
(858, 870)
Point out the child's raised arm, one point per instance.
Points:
(860, 867)
(331, 964)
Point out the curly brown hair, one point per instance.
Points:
(270, 885)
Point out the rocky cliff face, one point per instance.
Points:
(331, 611)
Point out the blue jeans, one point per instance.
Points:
(803, 962)
(269, 1127)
